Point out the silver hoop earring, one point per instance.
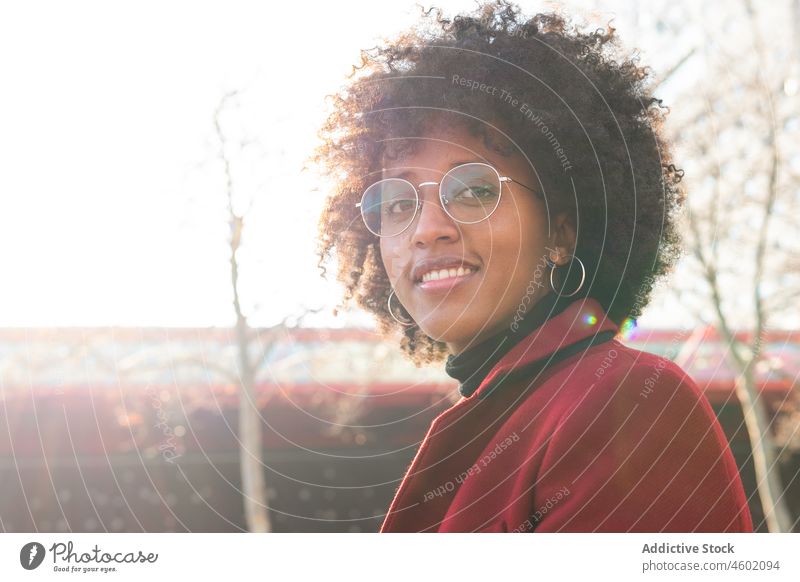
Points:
(580, 286)
(400, 321)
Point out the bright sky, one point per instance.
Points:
(111, 198)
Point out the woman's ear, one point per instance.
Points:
(563, 239)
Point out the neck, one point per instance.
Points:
(511, 327)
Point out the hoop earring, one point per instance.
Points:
(400, 321)
(580, 286)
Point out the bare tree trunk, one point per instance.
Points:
(768, 481)
(251, 465)
(770, 488)
(250, 445)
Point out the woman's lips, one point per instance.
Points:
(446, 283)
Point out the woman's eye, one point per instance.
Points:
(475, 192)
(400, 206)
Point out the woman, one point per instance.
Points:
(505, 201)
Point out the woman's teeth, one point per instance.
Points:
(446, 273)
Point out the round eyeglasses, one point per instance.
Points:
(469, 193)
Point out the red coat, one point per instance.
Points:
(608, 439)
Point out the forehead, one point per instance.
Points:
(439, 152)
(410, 172)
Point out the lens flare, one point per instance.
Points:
(628, 328)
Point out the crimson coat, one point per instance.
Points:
(607, 439)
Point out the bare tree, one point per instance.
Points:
(254, 346)
(256, 508)
(250, 448)
(739, 140)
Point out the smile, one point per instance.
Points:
(443, 279)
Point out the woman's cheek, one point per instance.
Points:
(395, 261)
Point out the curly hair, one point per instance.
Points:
(570, 101)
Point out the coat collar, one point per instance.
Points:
(583, 320)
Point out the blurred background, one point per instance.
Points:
(169, 355)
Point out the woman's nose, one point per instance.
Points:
(432, 222)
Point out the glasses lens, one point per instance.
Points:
(388, 206)
(471, 192)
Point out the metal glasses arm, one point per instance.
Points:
(507, 179)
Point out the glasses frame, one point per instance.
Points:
(442, 201)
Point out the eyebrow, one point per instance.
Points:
(405, 175)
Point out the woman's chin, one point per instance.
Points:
(443, 329)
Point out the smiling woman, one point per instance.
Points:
(505, 200)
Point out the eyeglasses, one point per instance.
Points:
(469, 193)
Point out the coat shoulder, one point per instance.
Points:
(611, 384)
(616, 373)
(641, 398)
(637, 445)
(622, 373)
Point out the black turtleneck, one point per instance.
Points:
(471, 366)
